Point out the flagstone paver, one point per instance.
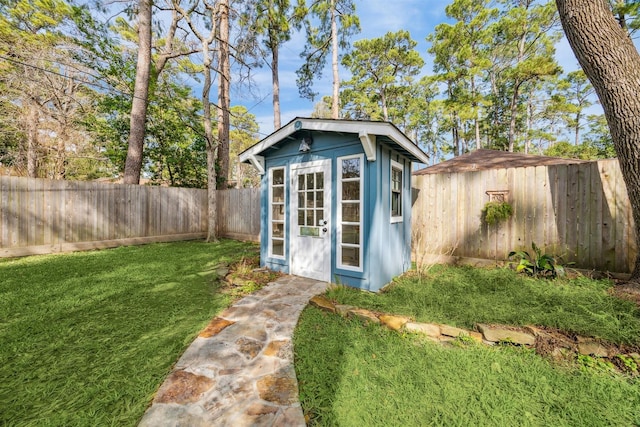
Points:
(239, 370)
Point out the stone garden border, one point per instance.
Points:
(544, 342)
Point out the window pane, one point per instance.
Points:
(310, 220)
(278, 176)
(396, 205)
(351, 257)
(277, 247)
(310, 183)
(351, 168)
(319, 216)
(319, 199)
(320, 180)
(351, 234)
(310, 199)
(301, 200)
(351, 212)
(396, 179)
(278, 194)
(351, 190)
(277, 212)
(301, 182)
(277, 229)
(301, 217)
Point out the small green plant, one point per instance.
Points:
(594, 363)
(629, 363)
(463, 340)
(496, 212)
(537, 264)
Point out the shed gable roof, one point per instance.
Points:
(369, 133)
(484, 159)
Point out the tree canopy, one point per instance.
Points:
(68, 83)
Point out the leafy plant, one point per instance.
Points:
(629, 363)
(496, 212)
(596, 363)
(537, 264)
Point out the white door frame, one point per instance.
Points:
(310, 254)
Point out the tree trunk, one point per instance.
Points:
(276, 85)
(133, 163)
(513, 111)
(32, 141)
(335, 106)
(476, 118)
(610, 60)
(212, 209)
(61, 153)
(223, 95)
(578, 116)
(385, 110)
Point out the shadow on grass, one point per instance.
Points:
(319, 363)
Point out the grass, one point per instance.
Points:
(351, 374)
(463, 296)
(87, 338)
(355, 375)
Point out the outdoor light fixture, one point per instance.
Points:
(305, 145)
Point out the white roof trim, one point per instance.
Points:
(369, 144)
(258, 163)
(346, 126)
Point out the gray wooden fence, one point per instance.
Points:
(579, 211)
(239, 213)
(45, 216)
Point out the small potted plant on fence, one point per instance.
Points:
(494, 213)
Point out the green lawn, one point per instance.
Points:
(88, 337)
(355, 375)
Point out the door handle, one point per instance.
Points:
(324, 230)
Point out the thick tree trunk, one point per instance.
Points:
(610, 60)
(133, 163)
(223, 95)
(335, 106)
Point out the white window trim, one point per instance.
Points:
(339, 244)
(270, 216)
(400, 166)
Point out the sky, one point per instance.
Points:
(377, 17)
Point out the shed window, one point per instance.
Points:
(396, 191)
(277, 204)
(349, 230)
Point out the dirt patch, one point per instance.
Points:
(246, 276)
(627, 290)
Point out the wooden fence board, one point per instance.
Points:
(579, 211)
(45, 216)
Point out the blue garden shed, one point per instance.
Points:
(336, 200)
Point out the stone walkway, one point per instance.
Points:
(239, 371)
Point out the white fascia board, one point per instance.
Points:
(275, 137)
(344, 126)
(372, 128)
